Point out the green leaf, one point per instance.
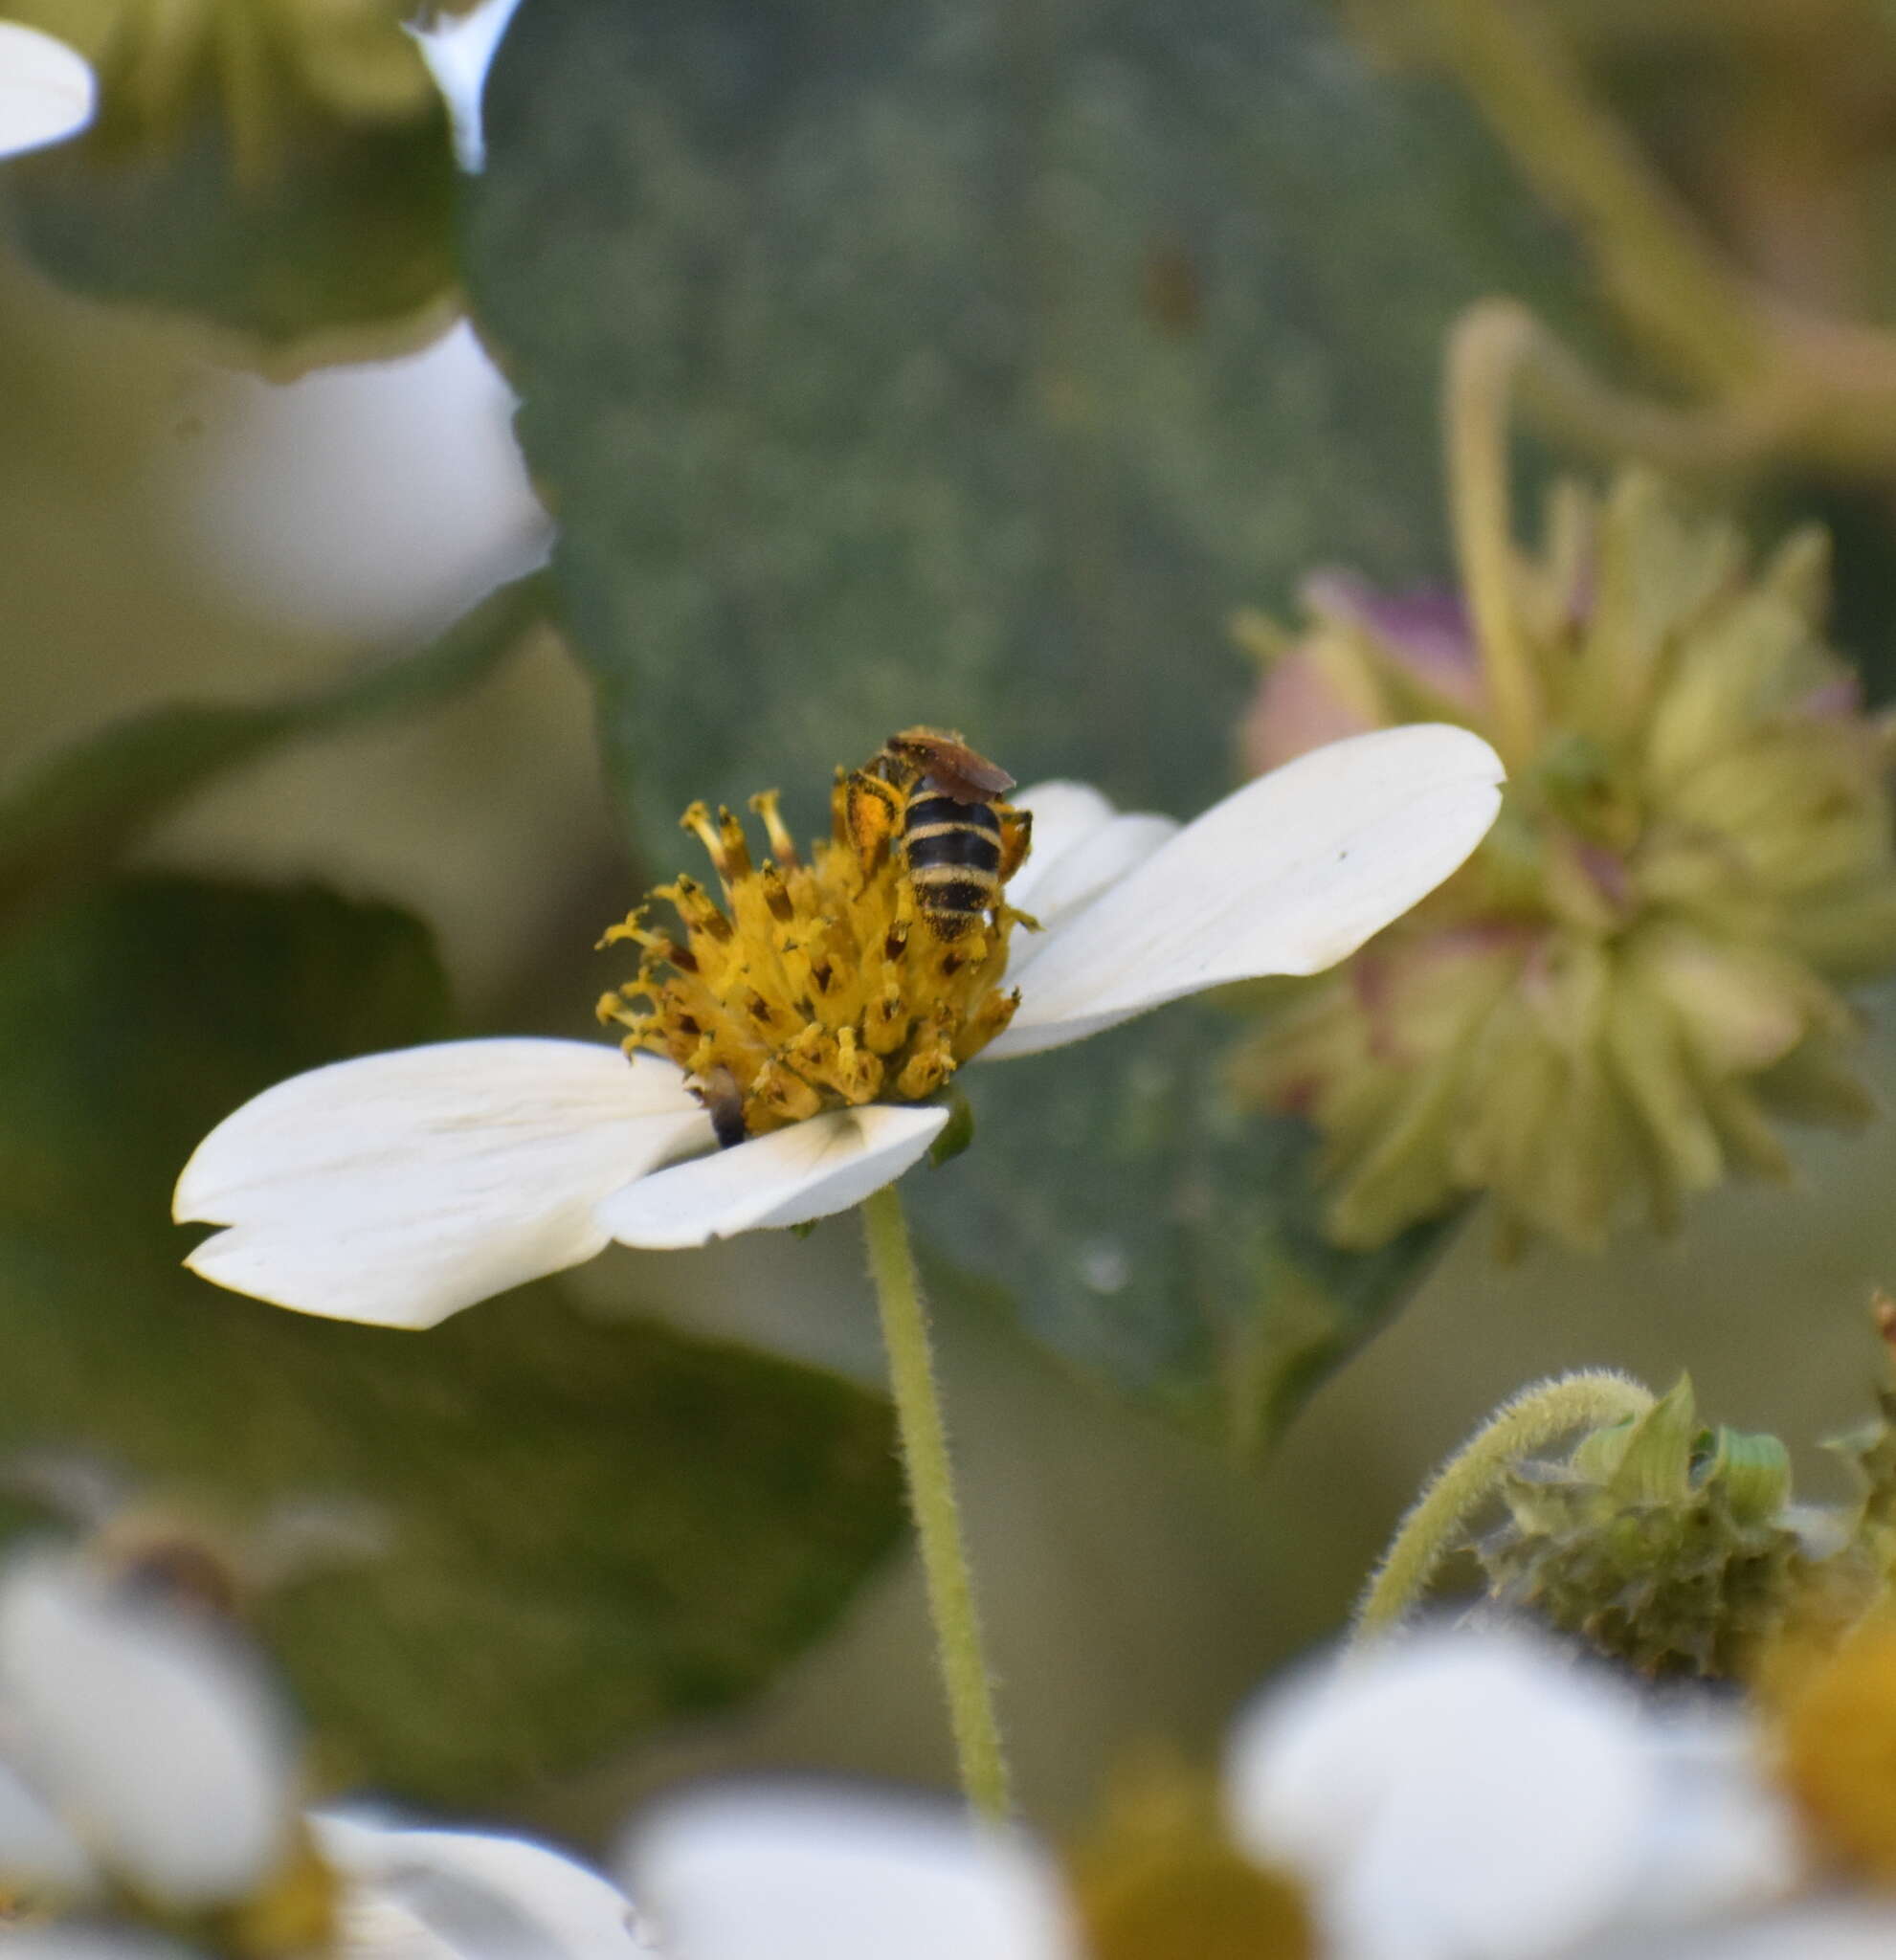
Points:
(914, 364)
(1148, 1228)
(346, 221)
(81, 808)
(596, 1529)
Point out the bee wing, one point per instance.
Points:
(960, 772)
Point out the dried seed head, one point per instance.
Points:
(1640, 965)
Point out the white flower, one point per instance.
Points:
(399, 1188)
(142, 1750)
(1825, 1929)
(138, 1731)
(467, 1895)
(1462, 1796)
(789, 1872)
(378, 499)
(46, 90)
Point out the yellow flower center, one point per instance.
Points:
(1837, 1744)
(1159, 1880)
(818, 983)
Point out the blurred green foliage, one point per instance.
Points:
(82, 807)
(285, 171)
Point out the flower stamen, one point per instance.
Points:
(817, 984)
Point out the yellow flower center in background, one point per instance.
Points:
(1837, 1744)
(816, 985)
(1159, 1880)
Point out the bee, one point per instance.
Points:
(940, 802)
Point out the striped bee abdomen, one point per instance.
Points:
(953, 853)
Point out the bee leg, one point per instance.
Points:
(872, 815)
(723, 1104)
(1016, 838)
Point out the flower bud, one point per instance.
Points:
(1663, 1544)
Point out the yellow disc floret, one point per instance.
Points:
(1159, 1879)
(1835, 1735)
(813, 985)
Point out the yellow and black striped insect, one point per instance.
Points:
(940, 803)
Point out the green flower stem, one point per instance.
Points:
(918, 1409)
(1496, 347)
(1485, 351)
(1526, 1422)
(1673, 282)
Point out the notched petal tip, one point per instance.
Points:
(396, 1189)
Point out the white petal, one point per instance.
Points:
(459, 51)
(37, 1850)
(89, 1943)
(786, 1874)
(1459, 1797)
(46, 90)
(378, 499)
(1825, 1929)
(465, 1895)
(400, 1188)
(148, 1729)
(790, 1176)
(1079, 873)
(1722, 1840)
(1065, 815)
(1288, 875)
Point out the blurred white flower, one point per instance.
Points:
(144, 1730)
(399, 1188)
(466, 1895)
(810, 1873)
(379, 499)
(47, 91)
(142, 1750)
(1476, 1797)
(1824, 1930)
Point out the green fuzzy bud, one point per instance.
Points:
(1663, 1544)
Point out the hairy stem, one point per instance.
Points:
(1526, 1422)
(931, 1498)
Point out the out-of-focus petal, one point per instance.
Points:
(47, 91)
(826, 1874)
(466, 1895)
(809, 1170)
(37, 1850)
(1288, 875)
(1721, 1842)
(400, 1188)
(91, 1943)
(1458, 1797)
(379, 499)
(148, 1731)
(458, 52)
(1824, 1930)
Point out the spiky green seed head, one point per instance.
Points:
(1661, 1544)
